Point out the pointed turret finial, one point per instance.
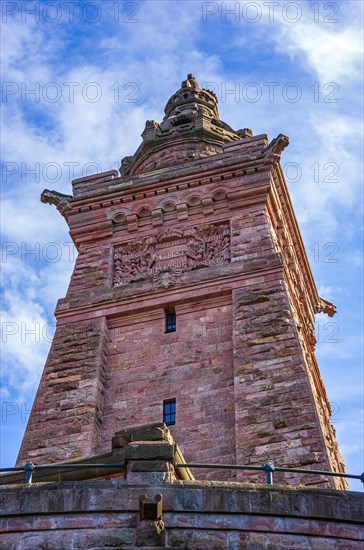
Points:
(191, 82)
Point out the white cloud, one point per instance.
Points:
(333, 50)
(25, 338)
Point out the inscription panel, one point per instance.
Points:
(164, 257)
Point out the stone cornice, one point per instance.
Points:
(295, 236)
(231, 196)
(226, 167)
(249, 149)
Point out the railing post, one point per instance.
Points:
(29, 468)
(269, 469)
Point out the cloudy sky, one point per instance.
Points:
(79, 81)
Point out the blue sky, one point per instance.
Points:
(80, 80)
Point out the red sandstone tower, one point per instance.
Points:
(192, 301)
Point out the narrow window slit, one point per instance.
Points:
(170, 319)
(169, 412)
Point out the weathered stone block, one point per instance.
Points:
(150, 534)
(149, 451)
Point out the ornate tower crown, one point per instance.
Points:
(190, 97)
(191, 129)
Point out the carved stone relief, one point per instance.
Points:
(167, 255)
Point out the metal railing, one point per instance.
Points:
(268, 468)
(29, 468)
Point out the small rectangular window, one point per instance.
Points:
(170, 320)
(169, 412)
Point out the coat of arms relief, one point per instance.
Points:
(164, 257)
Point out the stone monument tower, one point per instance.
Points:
(191, 302)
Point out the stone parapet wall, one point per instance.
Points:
(195, 516)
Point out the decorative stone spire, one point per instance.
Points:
(191, 82)
(191, 97)
(191, 129)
